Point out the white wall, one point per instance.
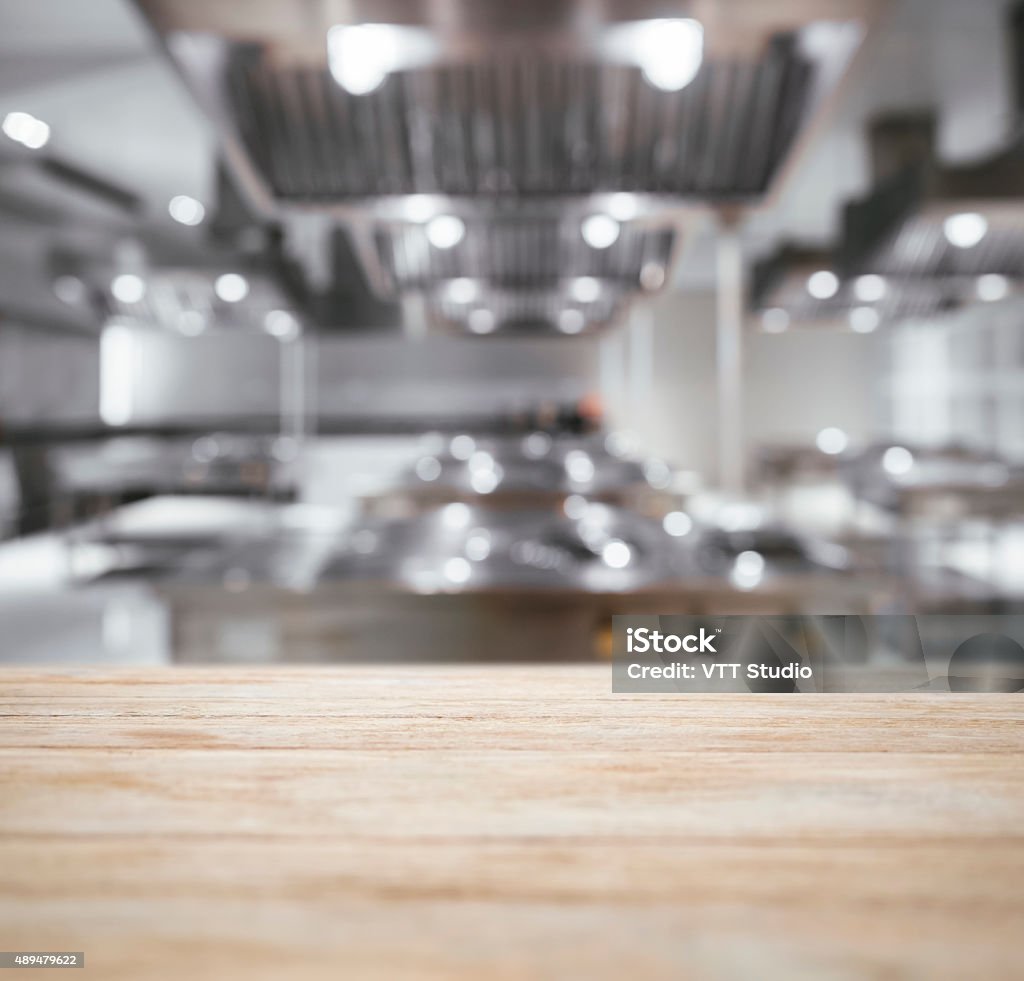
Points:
(47, 377)
(238, 375)
(957, 379)
(216, 374)
(799, 383)
(794, 385)
(447, 375)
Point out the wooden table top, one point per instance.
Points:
(504, 822)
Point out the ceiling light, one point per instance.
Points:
(481, 321)
(485, 481)
(897, 460)
(24, 128)
(478, 545)
(480, 461)
(186, 210)
(360, 56)
(616, 554)
(597, 514)
(128, 288)
(965, 230)
(739, 516)
(428, 468)
(571, 321)
(620, 444)
(536, 446)
(579, 466)
(670, 52)
(462, 447)
(462, 290)
(747, 570)
(774, 320)
(281, 324)
(622, 206)
(657, 473)
(832, 441)
(823, 284)
(869, 288)
(457, 570)
(677, 524)
(575, 506)
(419, 207)
(864, 320)
(750, 563)
(445, 231)
(456, 516)
(600, 231)
(585, 289)
(992, 287)
(231, 287)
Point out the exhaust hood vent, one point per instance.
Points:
(518, 125)
(523, 254)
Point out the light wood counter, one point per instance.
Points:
(505, 822)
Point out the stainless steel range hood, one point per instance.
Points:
(517, 120)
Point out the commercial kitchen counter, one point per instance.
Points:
(473, 822)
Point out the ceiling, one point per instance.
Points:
(96, 73)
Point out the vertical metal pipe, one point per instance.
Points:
(729, 351)
(292, 403)
(311, 382)
(414, 317)
(641, 366)
(611, 377)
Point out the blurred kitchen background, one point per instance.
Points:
(341, 331)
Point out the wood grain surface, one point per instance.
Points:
(504, 822)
